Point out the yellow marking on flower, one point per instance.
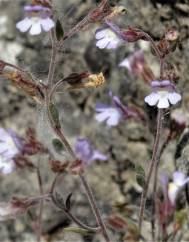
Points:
(172, 187)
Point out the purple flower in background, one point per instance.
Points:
(37, 18)
(114, 113)
(135, 62)
(10, 146)
(107, 38)
(163, 94)
(86, 153)
(111, 115)
(179, 181)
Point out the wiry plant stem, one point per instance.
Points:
(54, 52)
(88, 190)
(154, 209)
(39, 178)
(153, 162)
(96, 211)
(68, 213)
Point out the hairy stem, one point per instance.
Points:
(154, 209)
(53, 59)
(39, 178)
(153, 162)
(68, 213)
(96, 210)
(88, 190)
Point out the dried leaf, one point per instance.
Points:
(57, 166)
(117, 223)
(93, 80)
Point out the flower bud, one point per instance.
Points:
(132, 35)
(172, 35)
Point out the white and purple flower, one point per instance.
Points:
(107, 38)
(86, 153)
(163, 94)
(10, 146)
(179, 181)
(37, 18)
(117, 111)
(111, 114)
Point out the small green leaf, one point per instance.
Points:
(59, 30)
(77, 230)
(68, 202)
(140, 175)
(58, 146)
(55, 115)
(59, 200)
(139, 170)
(140, 180)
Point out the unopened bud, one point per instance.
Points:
(172, 35)
(132, 35)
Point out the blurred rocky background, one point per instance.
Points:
(114, 181)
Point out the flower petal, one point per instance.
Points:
(125, 63)
(114, 118)
(152, 99)
(172, 192)
(47, 24)
(7, 167)
(101, 107)
(179, 178)
(163, 102)
(97, 155)
(102, 43)
(101, 33)
(24, 24)
(36, 28)
(102, 116)
(174, 98)
(113, 44)
(83, 149)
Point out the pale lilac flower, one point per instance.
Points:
(111, 115)
(9, 148)
(114, 113)
(86, 153)
(163, 94)
(135, 62)
(37, 18)
(107, 38)
(179, 181)
(180, 117)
